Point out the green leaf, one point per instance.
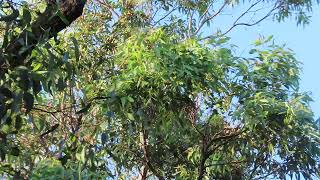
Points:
(42, 6)
(81, 156)
(130, 116)
(37, 67)
(10, 17)
(123, 101)
(5, 129)
(130, 99)
(26, 15)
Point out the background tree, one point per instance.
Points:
(135, 89)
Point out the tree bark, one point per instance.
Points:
(55, 18)
(204, 157)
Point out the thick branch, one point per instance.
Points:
(55, 18)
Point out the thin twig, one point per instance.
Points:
(210, 18)
(205, 13)
(154, 14)
(162, 18)
(235, 24)
(109, 7)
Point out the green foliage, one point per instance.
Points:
(159, 77)
(49, 169)
(125, 93)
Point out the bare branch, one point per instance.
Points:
(202, 22)
(47, 111)
(256, 165)
(52, 128)
(165, 16)
(235, 24)
(217, 138)
(154, 14)
(248, 10)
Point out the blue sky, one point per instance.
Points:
(304, 41)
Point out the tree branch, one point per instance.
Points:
(109, 7)
(235, 24)
(203, 21)
(55, 18)
(165, 16)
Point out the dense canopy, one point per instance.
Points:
(149, 90)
